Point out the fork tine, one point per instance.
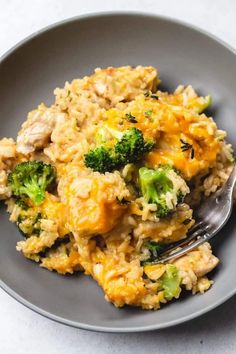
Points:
(196, 226)
(185, 241)
(183, 251)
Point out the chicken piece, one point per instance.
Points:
(124, 83)
(92, 200)
(36, 130)
(195, 264)
(201, 260)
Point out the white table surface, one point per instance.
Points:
(23, 331)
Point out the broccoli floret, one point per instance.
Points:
(154, 185)
(101, 159)
(129, 148)
(132, 146)
(21, 203)
(29, 223)
(163, 187)
(30, 180)
(170, 282)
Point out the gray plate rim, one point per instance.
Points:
(76, 324)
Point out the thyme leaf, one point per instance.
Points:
(186, 146)
(130, 118)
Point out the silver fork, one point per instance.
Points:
(210, 217)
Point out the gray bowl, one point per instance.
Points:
(30, 72)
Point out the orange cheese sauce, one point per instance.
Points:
(166, 122)
(170, 147)
(94, 214)
(55, 210)
(91, 201)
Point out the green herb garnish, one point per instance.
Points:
(148, 113)
(149, 94)
(155, 248)
(130, 118)
(186, 221)
(155, 97)
(186, 146)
